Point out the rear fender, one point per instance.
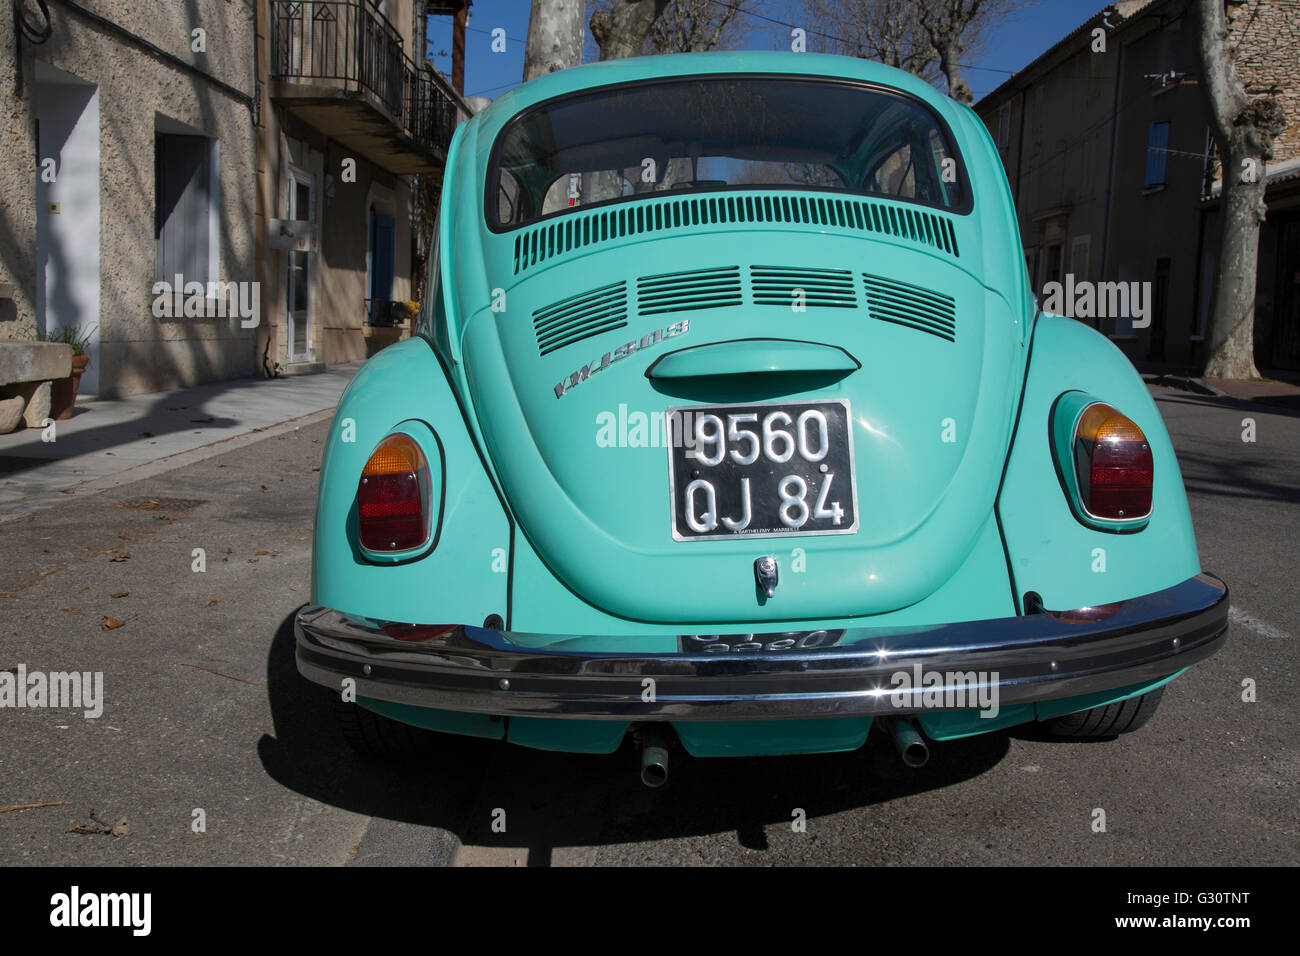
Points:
(465, 578)
(1050, 551)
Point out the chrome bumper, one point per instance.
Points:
(1043, 656)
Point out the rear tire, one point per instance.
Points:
(1109, 720)
(374, 735)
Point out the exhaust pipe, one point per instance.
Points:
(909, 742)
(654, 758)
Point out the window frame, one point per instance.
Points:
(488, 201)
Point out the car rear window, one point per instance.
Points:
(619, 143)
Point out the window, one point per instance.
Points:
(1079, 252)
(1157, 151)
(1123, 322)
(1051, 264)
(617, 143)
(183, 207)
(1004, 126)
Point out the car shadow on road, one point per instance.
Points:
(567, 800)
(307, 754)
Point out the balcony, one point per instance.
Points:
(341, 67)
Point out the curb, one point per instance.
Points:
(1187, 384)
(25, 507)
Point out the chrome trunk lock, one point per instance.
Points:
(766, 574)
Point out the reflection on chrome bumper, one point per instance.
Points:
(1036, 657)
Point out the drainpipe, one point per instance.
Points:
(1110, 170)
(1020, 154)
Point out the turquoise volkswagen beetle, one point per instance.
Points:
(732, 420)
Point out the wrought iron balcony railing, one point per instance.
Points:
(345, 43)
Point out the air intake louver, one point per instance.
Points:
(911, 305)
(685, 291)
(577, 230)
(778, 285)
(581, 316)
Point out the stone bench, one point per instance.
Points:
(26, 371)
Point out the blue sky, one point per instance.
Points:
(1010, 45)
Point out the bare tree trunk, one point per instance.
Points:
(1244, 130)
(621, 31)
(948, 53)
(554, 37)
(945, 23)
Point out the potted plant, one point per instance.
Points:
(63, 391)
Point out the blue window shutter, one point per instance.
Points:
(1157, 143)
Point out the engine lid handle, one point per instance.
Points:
(752, 356)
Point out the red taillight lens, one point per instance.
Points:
(392, 498)
(1112, 461)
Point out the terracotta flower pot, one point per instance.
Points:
(63, 391)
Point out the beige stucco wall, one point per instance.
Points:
(339, 273)
(138, 352)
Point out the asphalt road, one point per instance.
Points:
(204, 711)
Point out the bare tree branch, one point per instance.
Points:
(621, 28)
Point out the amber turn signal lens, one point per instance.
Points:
(392, 497)
(1113, 465)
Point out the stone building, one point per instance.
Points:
(128, 146)
(351, 113)
(214, 189)
(1107, 148)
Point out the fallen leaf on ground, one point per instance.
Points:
(212, 602)
(120, 828)
(121, 556)
(109, 623)
(261, 552)
(120, 594)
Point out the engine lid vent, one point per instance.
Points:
(779, 285)
(573, 231)
(686, 291)
(580, 317)
(912, 305)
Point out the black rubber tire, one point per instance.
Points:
(374, 735)
(1109, 720)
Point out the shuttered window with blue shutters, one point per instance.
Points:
(1157, 151)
